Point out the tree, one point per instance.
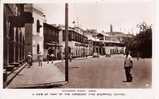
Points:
(144, 38)
(141, 43)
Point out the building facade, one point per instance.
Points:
(112, 42)
(78, 43)
(34, 32)
(89, 33)
(14, 22)
(51, 41)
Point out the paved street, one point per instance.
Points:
(107, 72)
(102, 72)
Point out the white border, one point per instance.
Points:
(150, 93)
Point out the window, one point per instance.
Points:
(38, 48)
(38, 26)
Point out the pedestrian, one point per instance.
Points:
(128, 65)
(62, 56)
(40, 58)
(48, 58)
(52, 57)
(86, 56)
(29, 59)
(70, 57)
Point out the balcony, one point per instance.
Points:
(20, 21)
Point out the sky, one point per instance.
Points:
(124, 16)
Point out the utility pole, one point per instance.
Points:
(66, 42)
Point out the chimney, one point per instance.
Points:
(111, 28)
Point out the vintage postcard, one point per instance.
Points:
(88, 48)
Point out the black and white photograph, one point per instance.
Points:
(77, 45)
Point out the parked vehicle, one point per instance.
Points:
(107, 55)
(95, 54)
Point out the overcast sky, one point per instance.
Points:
(124, 16)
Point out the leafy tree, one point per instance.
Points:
(141, 43)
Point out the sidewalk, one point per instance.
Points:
(36, 77)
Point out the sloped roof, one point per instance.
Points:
(121, 34)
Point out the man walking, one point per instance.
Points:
(128, 64)
(40, 58)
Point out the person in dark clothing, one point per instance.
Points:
(50, 55)
(48, 58)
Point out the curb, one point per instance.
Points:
(14, 74)
(43, 85)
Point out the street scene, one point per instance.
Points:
(106, 72)
(77, 45)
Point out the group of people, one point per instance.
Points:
(29, 60)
